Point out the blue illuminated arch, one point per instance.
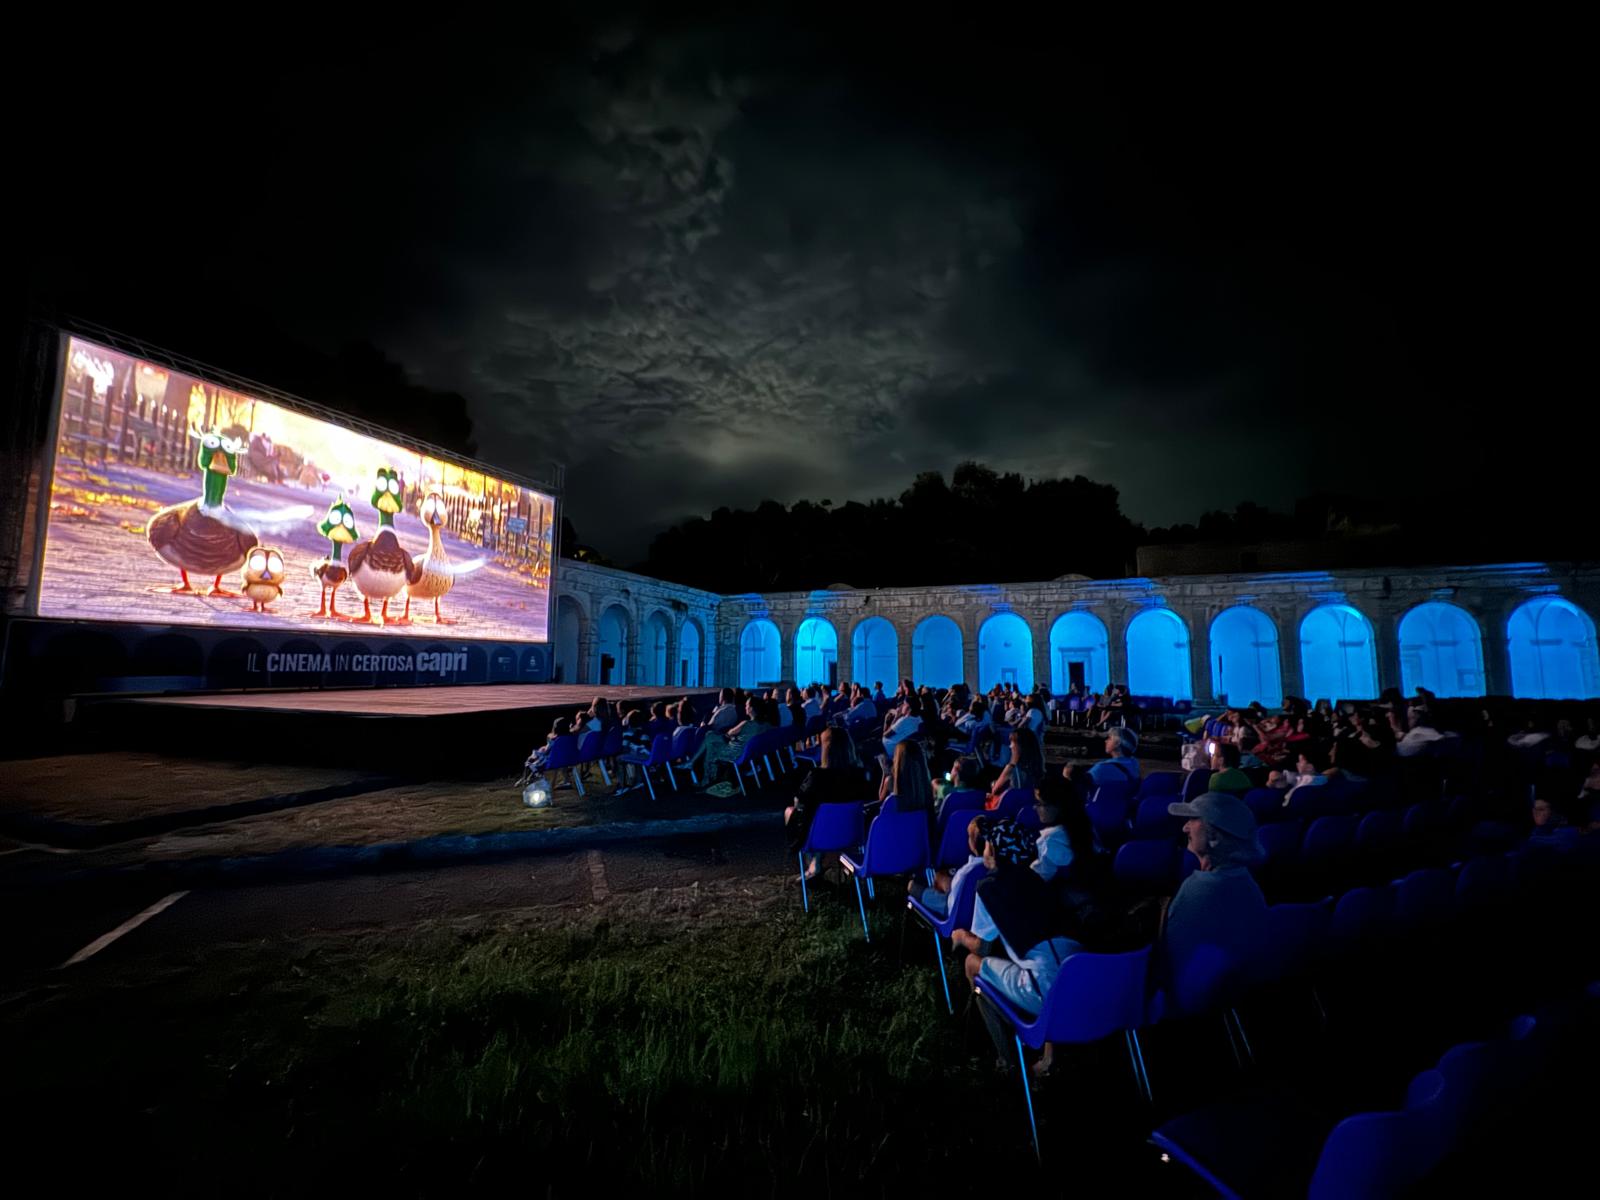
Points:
(937, 653)
(613, 641)
(569, 631)
(875, 652)
(689, 649)
(1244, 657)
(1079, 637)
(760, 653)
(1441, 649)
(1005, 652)
(1158, 655)
(1338, 659)
(1553, 652)
(653, 647)
(816, 649)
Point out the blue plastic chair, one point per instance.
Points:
(658, 756)
(1484, 884)
(1152, 820)
(1266, 804)
(1360, 914)
(1093, 996)
(1028, 817)
(591, 747)
(750, 757)
(1383, 1154)
(685, 745)
(1280, 843)
(1425, 899)
(953, 847)
(1148, 868)
(1014, 801)
(1196, 782)
(563, 756)
(960, 902)
(966, 800)
(1161, 783)
(1380, 833)
(834, 829)
(897, 844)
(1328, 842)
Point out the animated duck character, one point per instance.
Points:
(437, 575)
(339, 527)
(201, 535)
(381, 567)
(263, 578)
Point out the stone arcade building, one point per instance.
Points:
(1523, 629)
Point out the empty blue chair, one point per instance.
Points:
(1295, 937)
(1425, 899)
(953, 847)
(1094, 996)
(591, 747)
(1266, 804)
(1328, 841)
(1383, 1154)
(1484, 884)
(563, 756)
(1380, 833)
(1014, 801)
(966, 800)
(1161, 783)
(1196, 782)
(834, 829)
(1360, 914)
(897, 844)
(1152, 820)
(958, 915)
(686, 744)
(1107, 810)
(1028, 817)
(1310, 801)
(1280, 843)
(657, 756)
(1147, 868)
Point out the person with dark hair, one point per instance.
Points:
(686, 713)
(560, 728)
(909, 782)
(936, 897)
(1054, 848)
(1308, 770)
(1550, 828)
(1016, 945)
(725, 716)
(838, 779)
(1225, 773)
(1024, 770)
(659, 721)
(966, 776)
(905, 722)
(717, 750)
(1119, 766)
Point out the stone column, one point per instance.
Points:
(1287, 620)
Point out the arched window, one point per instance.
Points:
(688, 674)
(1079, 648)
(1338, 660)
(1441, 649)
(568, 631)
(937, 653)
(875, 653)
(657, 633)
(1553, 652)
(1158, 655)
(612, 647)
(1244, 657)
(1005, 652)
(816, 652)
(760, 654)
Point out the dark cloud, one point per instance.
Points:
(711, 260)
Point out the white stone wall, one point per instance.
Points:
(1489, 593)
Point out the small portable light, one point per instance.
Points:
(537, 793)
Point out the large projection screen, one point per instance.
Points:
(175, 500)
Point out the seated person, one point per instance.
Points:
(1015, 944)
(936, 898)
(1308, 771)
(717, 750)
(966, 779)
(1529, 736)
(838, 780)
(905, 722)
(976, 716)
(1550, 828)
(659, 721)
(1219, 905)
(1419, 738)
(1225, 773)
(861, 707)
(1024, 770)
(1119, 765)
(560, 728)
(725, 716)
(813, 703)
(908, 780)
(1054, 846)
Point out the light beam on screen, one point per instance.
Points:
(164, 482)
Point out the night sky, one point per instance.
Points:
(709, 260)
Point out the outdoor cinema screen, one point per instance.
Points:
(177, 501)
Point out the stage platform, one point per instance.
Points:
(468, 731)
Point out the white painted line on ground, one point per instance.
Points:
(597, 876)
(128, 926)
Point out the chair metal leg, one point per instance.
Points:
(1140, 1076)
(577, 780)
(1027, 1096)
(871, 892)
(805, 899)
(944, 975)
(861, 904)
(738, 774)
(671, 778)
(604, 774)
(651, 787)
(771, 778)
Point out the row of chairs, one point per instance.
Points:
(1135, 709)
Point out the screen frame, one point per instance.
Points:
(86, 331)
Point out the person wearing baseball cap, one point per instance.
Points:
(1219, 906)
(1119, 765)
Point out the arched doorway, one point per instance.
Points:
(689, 643)
(653, 660)
(1338, 660)
(1158, 655)
(875, 653)
(569, 636)
(760, 653)
(1005, 652)
(1244, 657)
(937, 653)
(816, 652)
(1441, 649)
(1553, 653)
(611, 647)
(1079, 653)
